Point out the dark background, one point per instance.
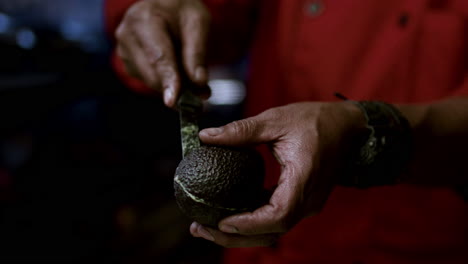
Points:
(86, 165)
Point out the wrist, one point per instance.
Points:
(381, 150)
(357, 123)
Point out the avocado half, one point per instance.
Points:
(213, 182)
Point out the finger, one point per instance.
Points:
(130, 69)
(242, 132)
(275, 217)
(156, 43)
(294, 198)
(194, 24)
(135, 61)
(232, 240)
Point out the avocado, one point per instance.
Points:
(214, 182)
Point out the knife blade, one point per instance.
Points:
(190, 107)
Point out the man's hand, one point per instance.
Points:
(310, 141)
(156, 36)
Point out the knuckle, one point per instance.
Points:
(275, 120)
(120, 32)
(138, 14)
(271, 115)
(199, 13)
(243, 127)
(200, 17)
(135, 13)
(160, 59)
(274, 113)
(196, 19)
(156, 57)
(144, 12)
(157, 18)
(137, 10)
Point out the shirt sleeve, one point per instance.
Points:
(230, 32)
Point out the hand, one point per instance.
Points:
(152, 37)
(310, 141)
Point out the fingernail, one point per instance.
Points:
(229, 229)
(200, 74)
(205, 233)
(193, 227)
(168, 96)
(213, 131)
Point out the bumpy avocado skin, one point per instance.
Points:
(199, 212)
(212, 183)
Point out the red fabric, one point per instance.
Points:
(399, 51)
(231, 28)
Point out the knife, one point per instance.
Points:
(190, 107)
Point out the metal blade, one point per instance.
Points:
(190, 107)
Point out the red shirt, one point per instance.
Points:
(397, 51)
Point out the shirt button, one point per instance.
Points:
(403, 20)
(315, 8)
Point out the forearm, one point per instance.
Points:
(440, 136)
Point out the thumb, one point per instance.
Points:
(244, 132)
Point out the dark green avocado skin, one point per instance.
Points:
(228, 180)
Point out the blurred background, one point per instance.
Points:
(86, 165)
